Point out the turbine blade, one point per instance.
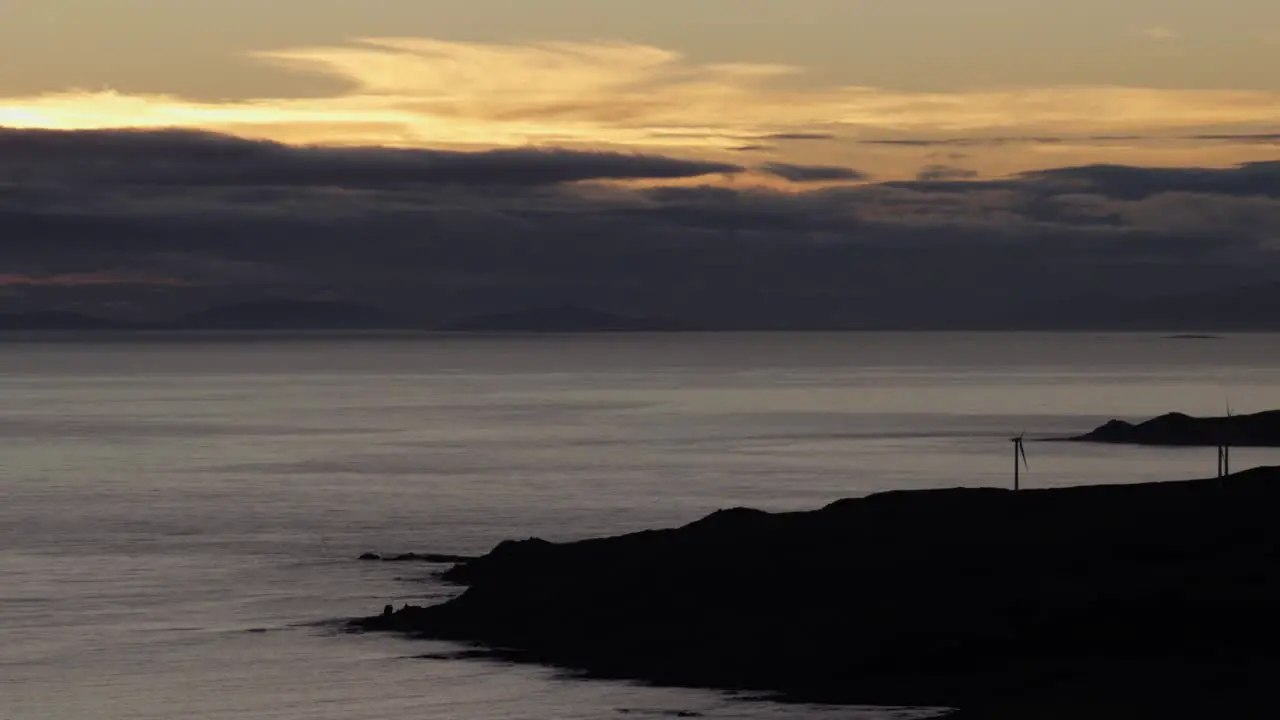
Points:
(1023, 451)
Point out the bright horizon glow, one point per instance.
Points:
(416, 92)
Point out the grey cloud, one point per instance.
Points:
(1254, 138)
(193, 158)
(965, 142)
(812, 173)
(799, 136)
(945, 172)
(1135, 183)
(1121, 182)
(909, 143)
(1260, 138)
(918, 254)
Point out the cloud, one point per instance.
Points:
(1160, 33)
(800, 136)
(945, 172)
(88, 279)
(942, 253)
(1249, 138)
(1260, 179)
(967, 142)
(178, 157)
(812, 173)
(411, 92)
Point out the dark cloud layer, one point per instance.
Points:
(195, 158)
(798, 136)
(812, 173)
(1242, 138)
(967, 142)
(1135, 183)
(510, 230)
(933, 172)
(1256, 138)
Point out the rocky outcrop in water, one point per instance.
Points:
(1258, 430)
(1155, 600)
(435, 558)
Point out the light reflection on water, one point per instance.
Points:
(180, 518)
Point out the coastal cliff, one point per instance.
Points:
(1133, 601)
(1257, 430)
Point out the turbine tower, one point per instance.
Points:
(1019, 452)
(1225, 450)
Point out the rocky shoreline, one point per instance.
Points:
(1131, 601)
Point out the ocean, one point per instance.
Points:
(180, 516)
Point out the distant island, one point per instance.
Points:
(565, 319)
(1193, 316)
(56, 320)
(1116, 602)
(1257, 430)
(257, 315)
(288, 315)
(292, 315)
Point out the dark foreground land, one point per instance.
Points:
(1134, 602)
(1257, 430)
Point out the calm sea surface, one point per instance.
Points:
(179, 518)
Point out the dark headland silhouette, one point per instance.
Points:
(1131, 601)
(1257, 430)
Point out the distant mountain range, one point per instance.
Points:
(55, 320)
(1241, 308)
(262, 315)
(254, 315)
(561, 320)
(1244, 308)
(289, 315)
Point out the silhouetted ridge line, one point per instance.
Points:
(565, 319)
(57, 320)
(1257, 430)
(289, 315)
(1155, 599)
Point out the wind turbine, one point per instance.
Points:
(1225, 450)
(1019, 452)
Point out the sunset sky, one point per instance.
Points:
(1041, 84)
(692, 156)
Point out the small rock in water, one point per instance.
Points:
(371, 556)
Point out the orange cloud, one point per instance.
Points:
(410, 92)
(415, 90)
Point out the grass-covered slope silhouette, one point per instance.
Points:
(1154, 600)
(1257, 430)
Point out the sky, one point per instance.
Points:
(858, 122)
